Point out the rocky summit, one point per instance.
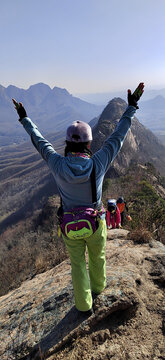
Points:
(140, 145)
(39, 320)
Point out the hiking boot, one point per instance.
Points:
(94, 295)
(85, 314)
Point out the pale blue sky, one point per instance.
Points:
(82, 45)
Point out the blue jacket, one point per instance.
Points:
(72, 174)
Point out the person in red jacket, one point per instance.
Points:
(113, 215)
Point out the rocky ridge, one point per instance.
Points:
(140, 145)
(39, 321)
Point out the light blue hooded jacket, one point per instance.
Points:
(72, 174)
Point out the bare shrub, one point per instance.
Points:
(140, 236)
(30, 247)
(159, 233)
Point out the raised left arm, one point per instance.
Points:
(41, 144)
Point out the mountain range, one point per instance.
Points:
(104, 97)
(152, 115)
(51, 109)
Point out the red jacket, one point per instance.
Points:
(113, 219)
(122, 207)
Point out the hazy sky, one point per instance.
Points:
(82, 45)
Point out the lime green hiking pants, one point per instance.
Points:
(96, 281)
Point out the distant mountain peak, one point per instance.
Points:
(11, 87)
(114, 107)
(159, 98)
(59, 90)
(39, 85)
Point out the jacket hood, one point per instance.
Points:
(77, 169)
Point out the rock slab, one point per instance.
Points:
(39, 319)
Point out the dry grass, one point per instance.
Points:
(140, 236)
(29, 248)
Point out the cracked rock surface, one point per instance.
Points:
(39, 321)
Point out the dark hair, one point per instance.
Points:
(82, 147)
(120, 200)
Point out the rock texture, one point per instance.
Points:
(140, 145)
(39, 320)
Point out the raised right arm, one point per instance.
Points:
(105, 156)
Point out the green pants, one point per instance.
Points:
(96, 281)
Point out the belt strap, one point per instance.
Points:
(93, 185)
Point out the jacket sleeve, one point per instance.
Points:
(112, 221)
(126, 206)
(118, 217)
(108, 218)
(41, 144)
(113, 144)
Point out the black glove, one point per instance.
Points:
(20, 109)
(133, 98)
